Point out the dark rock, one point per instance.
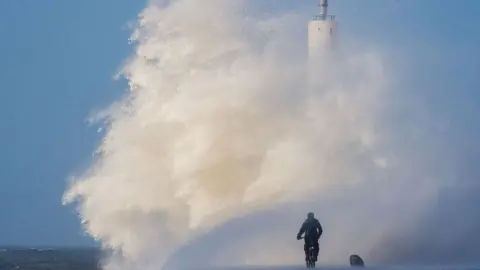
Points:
(356, 261)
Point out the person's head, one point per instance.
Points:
(310, 215)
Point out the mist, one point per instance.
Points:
(220, 147)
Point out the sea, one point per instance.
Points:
(49, 258)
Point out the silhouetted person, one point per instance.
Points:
(313, 230)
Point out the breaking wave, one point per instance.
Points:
(220, 147)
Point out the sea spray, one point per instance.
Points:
(220, 129)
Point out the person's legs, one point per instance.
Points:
(305, 248)
(316, 248)
(307, 244)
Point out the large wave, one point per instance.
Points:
(220, 147)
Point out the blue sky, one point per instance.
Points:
(58, 58)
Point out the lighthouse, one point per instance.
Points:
(322, 32)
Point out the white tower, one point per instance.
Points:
(322, 32)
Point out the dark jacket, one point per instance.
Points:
(311, 228)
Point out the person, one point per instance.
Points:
(313, 230)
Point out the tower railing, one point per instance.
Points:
(323, 17)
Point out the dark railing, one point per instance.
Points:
(323, 17)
